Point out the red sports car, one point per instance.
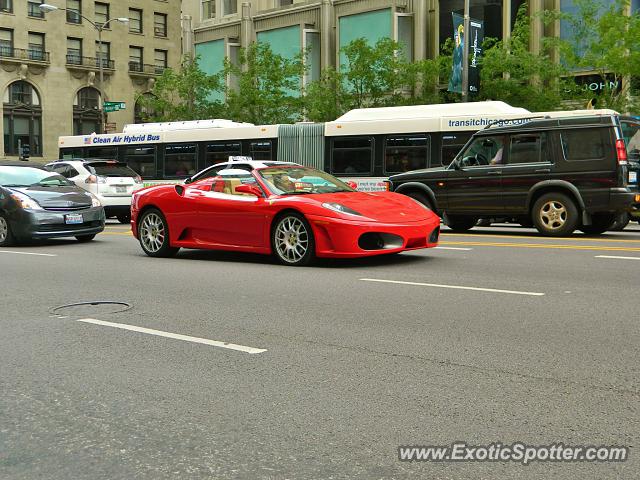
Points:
(294, 212)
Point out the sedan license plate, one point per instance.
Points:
(633, 177)
(73, 219)
(121, 189)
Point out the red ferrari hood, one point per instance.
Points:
(384, 207)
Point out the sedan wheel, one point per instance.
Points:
(292, 240)
(6, 238)
(153, 234)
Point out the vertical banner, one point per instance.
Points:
(455, 81)
(476, 37)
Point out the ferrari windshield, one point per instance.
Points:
(301, 180)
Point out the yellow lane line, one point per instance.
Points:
(499, 236)
(129, 234)
(545, 245)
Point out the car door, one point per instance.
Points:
(528, 162)
(474, 186)
(227, 217)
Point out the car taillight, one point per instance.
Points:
(95, 179)
(621, 152)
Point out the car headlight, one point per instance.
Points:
(336, 207)
(94, 201)
(25, 202)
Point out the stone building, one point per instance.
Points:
(50, 66)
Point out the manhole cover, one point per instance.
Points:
(91, 308)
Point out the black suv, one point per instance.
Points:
(558, 174)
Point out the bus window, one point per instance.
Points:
(107, 153)
(406, 152)
(260, 150)
(142, 159)
(180, 160)
(352, 155)
(219, 152)
(71, 153)
(451, 145)
(631, 133)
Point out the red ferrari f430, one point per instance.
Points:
(293, 212)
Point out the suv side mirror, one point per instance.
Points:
(249, 189)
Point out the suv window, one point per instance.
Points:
(109, 169)
(527, 148)
(483, 151)
(585, 143)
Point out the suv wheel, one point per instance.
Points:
(600, 223)
(555, 215)
(459, 223)
(422, 198)
(622, 220)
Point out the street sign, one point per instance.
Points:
(114, 106)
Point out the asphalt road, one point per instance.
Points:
(498, 336)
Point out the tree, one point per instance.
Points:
(265, 87)
(512, 73)
(186, 94)
(605, 40)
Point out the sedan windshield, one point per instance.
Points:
(301, 180)
(28, 176)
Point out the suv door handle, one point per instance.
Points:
(543, 170)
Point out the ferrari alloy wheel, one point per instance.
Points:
(6, 239)
(292, 240)
(154, 235)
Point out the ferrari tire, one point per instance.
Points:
(292, 240)
(6, 237)
(153, 234)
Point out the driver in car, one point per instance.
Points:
(284, 183)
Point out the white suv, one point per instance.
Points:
(111, 181)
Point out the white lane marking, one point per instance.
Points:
(454, 248)
(617, 257)
(456, 287)
(29, 253)
(176, 336)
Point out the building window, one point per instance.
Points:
(208, 9)
(87, 113)
(33, 9)
(312, 59)
(103, 54)
(6, 6)
(102, 13)
(229, 7)
(22, 119)
(74, 51)
(6, 42)
(135, 59)
(160, 60)
(284, 3)
(159, 24)
(74, 9)
(135, 20)
(404, 32)
(489, 11)
(141, 112)
(36, 46)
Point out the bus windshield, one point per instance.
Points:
(300, 180)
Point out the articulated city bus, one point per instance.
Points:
(364, 146)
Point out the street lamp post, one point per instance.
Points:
(465, 53)
(46, 8)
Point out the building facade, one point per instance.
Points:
(50, 66)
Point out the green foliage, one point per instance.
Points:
(512, 73)
(267, 87)
(182, 95)
(604, 40)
